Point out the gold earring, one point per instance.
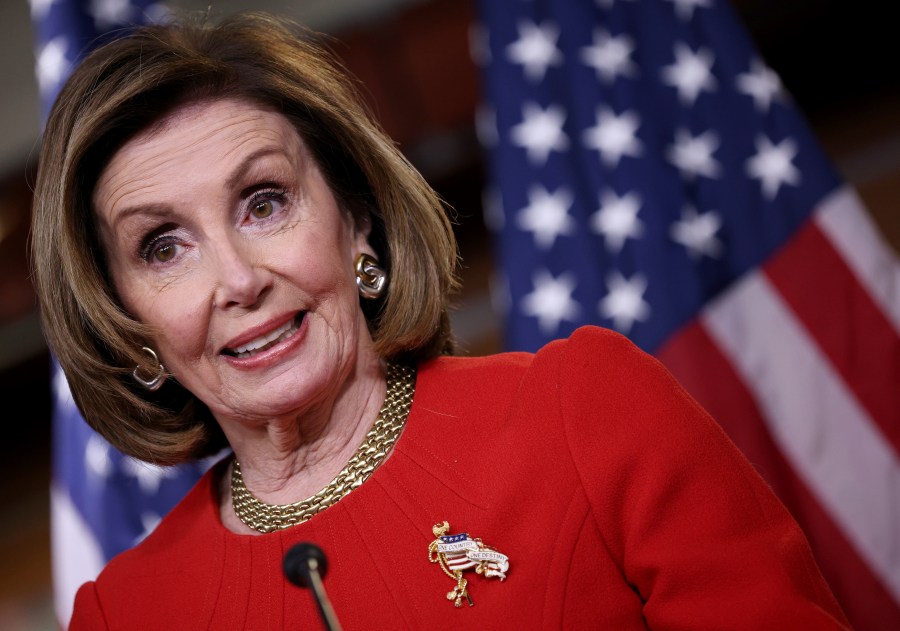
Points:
(370, 277)
(156, 381)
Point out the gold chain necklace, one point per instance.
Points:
(262, 517)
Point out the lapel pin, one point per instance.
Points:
(459, 553)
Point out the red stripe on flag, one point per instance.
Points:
(847, 325)
(706, 373)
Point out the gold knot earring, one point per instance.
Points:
(370, 277)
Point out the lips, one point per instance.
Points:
(264, 341)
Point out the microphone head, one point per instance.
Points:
(302, 559)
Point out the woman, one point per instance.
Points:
(230, 253)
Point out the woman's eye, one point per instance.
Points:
(265, 204)
(160, 250)
(161, 245)
(262, 208)
(164, 252)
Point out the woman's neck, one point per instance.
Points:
(288, 459)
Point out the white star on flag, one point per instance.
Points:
(551, 301)
(614, 136)
(148, 476)
(684, 9)
(697, 232)
(62, 394)
(535, 49)
(157, 12)
(547, 215)
(40, 8)
(625, 304)
(107, 13)
(772, 165)
(52, 64)
(96, 457)
(149, 522)
(693, 155)
(691, 73)
(617, 219)
(610, 56)
(761, 83)
(541, 132)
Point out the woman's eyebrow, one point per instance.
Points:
(153, 209)
(239, 171)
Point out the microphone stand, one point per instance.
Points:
(302, 565)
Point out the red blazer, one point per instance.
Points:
(618, 500)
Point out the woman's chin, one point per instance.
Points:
(290, 394)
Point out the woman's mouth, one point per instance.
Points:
(267, 341)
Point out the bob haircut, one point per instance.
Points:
(126, 87)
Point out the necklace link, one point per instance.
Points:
(263, 517)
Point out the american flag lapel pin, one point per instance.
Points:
(458, 553)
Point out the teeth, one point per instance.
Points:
(264, 341)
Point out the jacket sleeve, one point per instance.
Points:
(87, 614)
(696, 531)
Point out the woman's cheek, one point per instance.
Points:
(179, 310)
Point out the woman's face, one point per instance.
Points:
(222, 235)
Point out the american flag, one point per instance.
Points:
(102, 502)
(458, 559)
(650, 174)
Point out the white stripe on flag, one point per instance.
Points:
(76, 556)
(820, 427)
(848, 225)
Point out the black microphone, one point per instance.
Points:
(305, 566)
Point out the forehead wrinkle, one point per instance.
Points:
(251, 147)
(133, 176)
(144, 159)
(184, 132)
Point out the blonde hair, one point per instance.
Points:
(125, 87)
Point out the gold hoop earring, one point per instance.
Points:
(370, 277)
(156, 381)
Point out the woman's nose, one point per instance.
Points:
(242, 278)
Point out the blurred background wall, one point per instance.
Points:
(838, 60)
